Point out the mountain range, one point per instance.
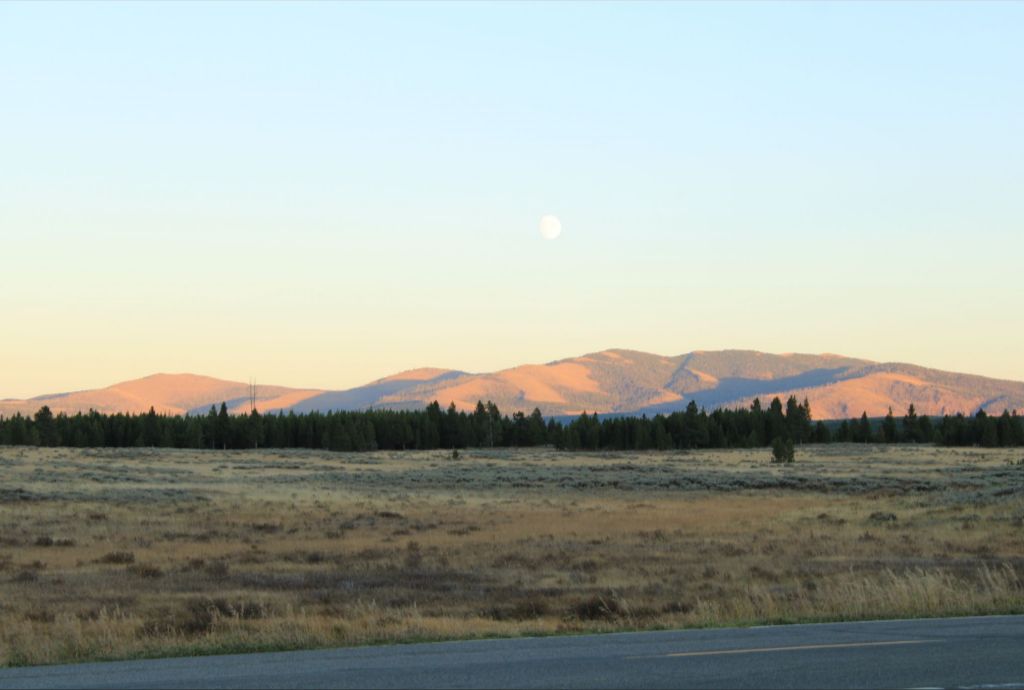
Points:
(610, 381)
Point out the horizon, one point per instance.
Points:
(616, 381)
(322, 195)
(394, 374)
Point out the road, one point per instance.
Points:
(981, 652)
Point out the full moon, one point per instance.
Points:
(550, 227)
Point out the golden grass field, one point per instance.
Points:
(109, 553)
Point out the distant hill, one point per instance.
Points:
(166, 393)
(625, 381)
(611, 381)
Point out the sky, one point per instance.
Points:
(320, 194)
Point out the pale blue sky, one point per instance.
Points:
(321, 194)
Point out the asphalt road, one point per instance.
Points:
(982, 652)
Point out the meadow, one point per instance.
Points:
(120, 553)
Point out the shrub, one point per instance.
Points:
(197, 616)
(677, 607)
(145, 570)
(596, 608)
(118, 557)
(782, 450)
(413, 555)
(218, 569)
(41, 616)
(525, 609)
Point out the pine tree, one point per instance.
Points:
(151, 434)
(794, 420)
(889, 432)
(223, 426)
(925, 429)
(45, 427)
(662, 439)
(1017, 424)
(1005, 429)
(987, 431)
(537, 430)
(864, 429)
(776, 421)
(254, 425)
(757, 424)
(911, 428)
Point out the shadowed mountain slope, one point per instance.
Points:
(611, 381)
(372, 394)
(626, 381)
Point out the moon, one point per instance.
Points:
(550, 227)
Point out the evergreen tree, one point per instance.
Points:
(45, 426)
(1005, 429)
(925, 429)
(450, 436)
(864, 429)
(1017, 425)
(806, 427)
(889, 432)
(495, 429)
(798, 419)
(592, 437)
(482, 425)
(758, 436)
(537, 431)
(662, 439)
(987, 430)
(431, 434)
(485, 426)
(911, 428)
(776, 421)
(223, 426)
(151, 432)
(254, 427)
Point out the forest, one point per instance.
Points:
(486, 426)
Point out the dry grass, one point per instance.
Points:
(112, 554)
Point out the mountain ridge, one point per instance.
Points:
(618, 381)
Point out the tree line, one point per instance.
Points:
(485, 426)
